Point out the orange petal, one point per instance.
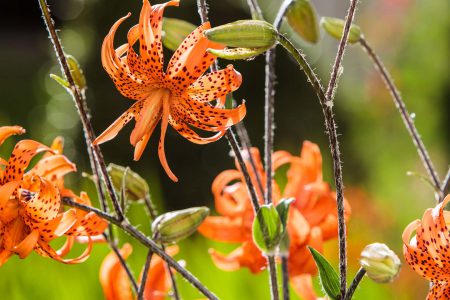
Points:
(113, 278)
(53, 167)
(440, 290)
(189, 134)
(191, 59)
(90, 225)
(214, 85)
(118, 124)
(224, 229)
(21, 156)
(7, 131)
(149, 115)
(47, 250)
(303, 287)
(24, 248)
(43, 204)
(161, 152)
(8, 207)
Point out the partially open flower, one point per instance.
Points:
(381, 263)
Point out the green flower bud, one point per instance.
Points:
(381, 263)
(335, 28)
(267, 229)
(244, 34)
(177, 225)
(175, 31)
(76, 72)
(238, 53)
(136, 188)
(302, 18)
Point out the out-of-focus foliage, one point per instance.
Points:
(411, 37)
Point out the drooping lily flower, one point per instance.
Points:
(311, 218)
(179, 96)
(428, 252)
(115, 282)
(30, 204)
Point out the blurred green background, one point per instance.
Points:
(412, 37)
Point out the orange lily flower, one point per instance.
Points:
(30, 204)
(115, 282)
(179, 96)
(427, 253)
(312, 217)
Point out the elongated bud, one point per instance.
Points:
(267, 229)
(381, 263)
(136, 188)
(238, 53)
(335, 28)
(244, 34)
(302, 18)
(76, 71)
(175, 31)
(177, 225)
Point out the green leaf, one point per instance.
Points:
(283, 211)
(175, 31)
(267, 229)
(329, 278)
(61, 81)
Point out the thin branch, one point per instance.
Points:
(407, 120)
(147, 242)
(445, 187)
(81, 107)
(334, 145)
(273, 277)
(124, 264)
(147, 264)
(285, 276)
(176, 294)
(255, 10)
(352, 288)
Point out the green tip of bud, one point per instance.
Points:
(76, 72)
(238, 53)
(335, 28)
(244, 34)
(174, 32)
(302, 18)
(136, 188)
(381, 263)
(177, 225)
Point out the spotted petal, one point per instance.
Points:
(7, 131)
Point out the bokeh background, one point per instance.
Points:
(412, 37)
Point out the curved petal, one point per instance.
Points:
(46, 250)
(118, 124)
(215, 85)
(303, 287)
(21, 156)
(7, 131)
(439, 291)
(191, 59)
(24, 248)
(161, 152)
(55, 228)
(248, 255)
(53, 167)
(183, 129)
(8, 206)
(224, 229)
(43, 202)
(113, 277)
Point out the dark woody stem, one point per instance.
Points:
(352, 288)
(285, 276)
(147, 242)
(407, 120)
(334, 145)
(148, 261)
(445, 187)
(81, 107)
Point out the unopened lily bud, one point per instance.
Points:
(136, 188)
(175, 31)
(335, 28)
(76, 72)
(381, 263)
(244, 34)
(177, 225)
(302, 18)
(238, 53)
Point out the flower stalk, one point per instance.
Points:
(355, 282)
(407, 120)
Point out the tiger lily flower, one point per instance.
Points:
(427, 253)
(116, 285)
(311, 218)
(30, 204)
(179, 96)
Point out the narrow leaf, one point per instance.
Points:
(329, 278)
